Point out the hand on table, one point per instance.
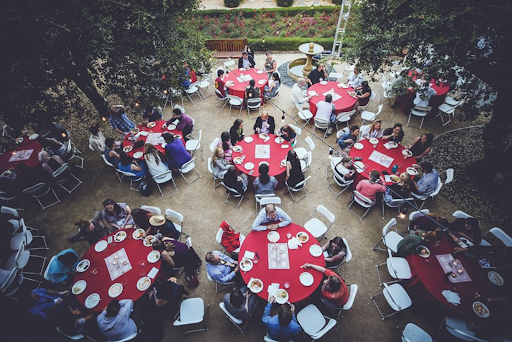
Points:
(459, 249)
(173, 280)
(272, 226)
(306, 266)
(236, 269)
(272, 299)
(64, 293)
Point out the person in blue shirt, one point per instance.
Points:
(128, 164)
(151, 114)
(428, 182)
(220, 267)
(119, 121)
(45, 303)
(284, 325)
(348, 139)
(62, 266)
(175, 152)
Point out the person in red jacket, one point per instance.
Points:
(334, 288)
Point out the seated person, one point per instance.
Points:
(270, 90)
(154, 160)
(421, 146)
(468, 228)
(252, 92)
(141, 218)
(117, 215)
(336, 251)
(369, 188)
(96, 139)
(288, 134)
(51, 164)
(264, 124)
(399, 190)
(232, 180)
(428, 223)
(91, 231)
(246, 61)
(363, 95)
(355, 79)
(334, 288)
(131, 165)
(119, 120)
(374, 130)
(175, 152)
(240, 303)
(73, 319)
(220, 85)
(348, 139)
(270, 64)
(428, 182)
(185, 122)
(220, 267)
(160, 224)
(236, 132)
(317, 75)
(55, 147)
(298, 93)
(220, 166)
(115, 322)
(151, 114)
(345, 169)
(112, 151)
(45, 303)
(395, 134)
(284, 325)
(63, 266)
(167, 293)
(264, 184)
(176, 254)
(324, 111)
(225, 143)
(409, 244)
(273, 215)
(294, 173)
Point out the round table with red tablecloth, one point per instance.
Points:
(239, 85)
(278, 152)
(9, 160)
(395, 153)
(344, 104)
(100, 282)
(405, 103)
(157, 129)
(257, 242)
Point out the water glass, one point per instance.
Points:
(142, 263)
(286, 284)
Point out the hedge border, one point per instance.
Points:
(286, 44)
(249, 12)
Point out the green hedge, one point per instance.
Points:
(284, 3)
(231, 3)
(249, 12)
(287, 44)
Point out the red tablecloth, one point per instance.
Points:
(157, 129)
(100, 283)
(25, 145)
(367, 150)
(257, 242)
(277, 154)
(344, 104)
(427, 279)
(405, 103)
(238, 89)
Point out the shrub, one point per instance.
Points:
(284, 3)
(231, 3)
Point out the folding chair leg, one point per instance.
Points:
(378, 243)
(198, 176)
(167, 193)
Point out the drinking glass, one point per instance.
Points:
(94, 271)
(142, 263)
(286, 284)
(124, 282)
(289, 235)
(142, 273)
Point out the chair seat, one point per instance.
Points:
(163, 179)
(400, 300)
(11, 262)
(17, 239)
(392, 239)
(451, 101)
(344, 118)
(188, 168)
(414, 333)
(204, 84)
(192, 145)
(446, 108)
(420, 197)
(362, 202)
(368, 116)
(192, 90)
(231, 317)
(305, 114)
(301, 152)
(316, 227)
(311, 319)
(418, 112)
(235, 101)
(191, 311)
(401, 266)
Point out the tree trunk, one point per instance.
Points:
(86, 85)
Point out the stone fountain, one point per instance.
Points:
(301, 67)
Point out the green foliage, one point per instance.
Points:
(231, 3)
(284, 3)
(287, 11)
(287, 44)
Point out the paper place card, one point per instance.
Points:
(326, 255)
(284, 146)
(249, 255)
(153, 272)
(109, 239)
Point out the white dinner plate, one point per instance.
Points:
(263, 136)
(33, 136)
(373, 141)
(315, 250)
(323, 82)
(306, 279)
(238, 160)
(273, 236)
(303, 237)
(283, 162)
(246, 265)
(92, 300)
(359, 164)
(412, 171)
(120, 236)
(148, 240)
(279, 140)
(241, 69)
(394, 178)
(249, 166)
(100, 246)
(495, 278)
(143, 283)
(78, 287)
(115, 290)
(358, 146)
(255, 285)
(127, 148)
(83, 265)
(259, 72)
(481, 310)
(171, 127)
(237, 148)
(19, 140)
(421, 247)
(153, 256)
(138, 234)
(407, 152)
(344, 85)
(281, 296)
(262, 81)
(138, 155)
(248, 139)
(151, 124)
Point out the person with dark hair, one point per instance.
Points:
(115, 322)
(428, 182)
(232, 180)
(287, 133)
(63, 266)
(221, 267)
(96, 139)
(273, 215)
(317, 75)
(112, 151)
(175, 152)
(151, 114)
(240, 303)
(264, 124)
(251, 91)
(369, 188)
(45, 304)
(294, 173)
(131, 165)
(336, 251)
(345, 169)
(176, 254)
(270, 90)
(270, 64)
(118, 215)
(167, 294)
(325, 112)
(334, 288)
(264, 184)
(73, 319)
(410, 243)
(284, 325)
(54, 147)
(348, 139)
(227, 147)
(363, 95)
(185, 122)
(91, 231)
(246, 61)
(428, 222)
(119, 120)
(141, 218)
(236, 132)
(395, 134)
(355, 78)
(468, 228)
(421, 146)
(220, 85)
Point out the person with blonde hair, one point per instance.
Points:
(374, 130)
(154, 160)
(399, 190)
(220, 165)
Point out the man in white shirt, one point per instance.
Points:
(423, 95)
(355, 79)
(270, 214)
(298, 95)
(324, 109)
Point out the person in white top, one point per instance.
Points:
(273, 215)
(423, 95)
(324, 110)
(96, 139)
(298, 95)
(355, 79)
(374, 130)
(154, 160)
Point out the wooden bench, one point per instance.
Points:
(226, 48)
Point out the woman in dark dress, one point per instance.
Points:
(294, 173)
(421, 146)
(239, 183)
(363, 94)
(236, 131)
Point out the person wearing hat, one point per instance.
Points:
(160, 224)
(176, 254)
(246, 61)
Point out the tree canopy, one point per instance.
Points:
(58, 52)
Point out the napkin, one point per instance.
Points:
(272, 288)
(387, 178)
(451, 297)
(153, 272)
(326, 254)
(284, 146)
(143, 133)
(294, 243)
(249, 255)
(109, 239)
(312, 92)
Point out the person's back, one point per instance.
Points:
(284, 325)
(176, 153)
(428, 182)
(264, 189)
(115, 322)
(155, 164)
(369, 189)
(324, 110)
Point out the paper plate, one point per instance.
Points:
(306, 279)
(481, 310)
(143, 283)
(237, 148)
(249, 166)
(263, 136)
(323, 82)
(407, 152)
(246, 265)
(420, 248)
(392, 144)
(127, 148)
(115, 290)
(373, 141)
(495, 278)
(19, 140)
(148, 240)
(394, 178)
(138, 155)
(281, 296)
(92, 300)
(315, 250)
(279, 140)
(33, 136)
(262, 81)
(138, 234)
(359, 164)
(78, 287)
(83, 265)
(283, 162)
(241, 69)
(153, 257)
(259, 72)
(120, 236)
(100, 246)
(344, 85)
(273, 236)
(238, 160)
(248, 139)
(135, 130)
(151, 124)
(412, 171)
(358, 146)
(171, 127)
(303, 237)
(255, 285)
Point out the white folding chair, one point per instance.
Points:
(62, 175)
(72, 152)
(132, 178)
(4, 196)
(336, 310)
(373, 95)
(449, 110)
(112, 166)
(335, 75)
(204, 83)
(413, 333)
(177, 219)
(25, 236)
(340, 181)
(21, 258)
(191, 90)
(214, 144)
(314, 323)
(154, 210)
(306, 162)
(229, 63)
(322, 125)
(363, 128)
(398, 268)
(432, 195)
(40, 190)
(419, 111)
(194, 144)
(218, 238)
(162, 178)
(215, 179)
(397, 298)
(253, 104)
(235, 194)
(363, 201)
(344, 117)
(301, 186)
(389, 238)
(416, 214)
(459, 328)
(221, 98)
(71, 337)
(367, 116)
(316, 227)
(301, 151)
(298, 131)
(235, 101)
(304, 114)
(349, 68)
(258, 198)
(188, 167)
(347, 258)
(395, 203)
(229, 284)
(449, 176)
(240, 324)
(501, 235)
